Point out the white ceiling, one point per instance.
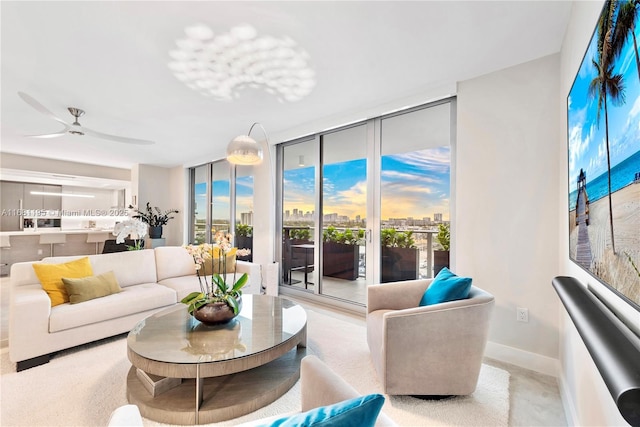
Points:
(111, 59)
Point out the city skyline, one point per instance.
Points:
(334, 217)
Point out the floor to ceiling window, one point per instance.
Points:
(199, 200)
(220, 197)
(244, 209)
(214, 201)
(298, 214)
(344, 213)
(414, 192)
(383, 203)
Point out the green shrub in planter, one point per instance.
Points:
(400, 256)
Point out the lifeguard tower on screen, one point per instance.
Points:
(582, 201)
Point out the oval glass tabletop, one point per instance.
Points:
(174, 336)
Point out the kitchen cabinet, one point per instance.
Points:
(12, 202)
(17, 198)
(101, 200)
(52, 202)
(38, 201)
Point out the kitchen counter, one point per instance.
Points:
(35, 244)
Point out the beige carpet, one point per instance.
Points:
(80, 387)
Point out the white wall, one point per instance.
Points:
(264, 210)
(586, 398)
(506, 216)
(161, 187)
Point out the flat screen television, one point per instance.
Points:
(603, 134)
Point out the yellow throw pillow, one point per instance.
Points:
(87, 288)
(229, 267)
(50, 276)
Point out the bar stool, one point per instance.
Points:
(97, 238)
(5, 244)
(52, 239)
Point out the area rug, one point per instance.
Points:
(82, 386)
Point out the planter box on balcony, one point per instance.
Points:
(399, 264)
(440, 260)
(340, 260)
(245, 242)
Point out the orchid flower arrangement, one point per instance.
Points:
(218, 289)
(131, 226)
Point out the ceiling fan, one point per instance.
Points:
(75, 128)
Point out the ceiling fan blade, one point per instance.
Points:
(49, 135)
(116, 138)
(39, 107)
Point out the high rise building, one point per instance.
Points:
(246, 218)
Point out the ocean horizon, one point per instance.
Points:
(622, 175)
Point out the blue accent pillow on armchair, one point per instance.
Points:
(357, 412)
(446, 287)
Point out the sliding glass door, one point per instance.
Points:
(344, 213)
(383, 203)
(299, 242)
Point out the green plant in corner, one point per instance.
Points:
(444, 236)
(153, 216)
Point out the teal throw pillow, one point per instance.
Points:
(446, 287)
(358, 412)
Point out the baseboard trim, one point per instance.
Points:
(569, 409)
(525, 359)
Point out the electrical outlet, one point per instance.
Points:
(39, 251)
(522, 314)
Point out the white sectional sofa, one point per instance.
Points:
(150, 279)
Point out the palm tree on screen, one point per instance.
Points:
(625, 26)
(606, 84)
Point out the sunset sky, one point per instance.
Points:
(414, 184)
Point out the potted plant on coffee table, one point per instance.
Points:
(219, 299)
(155, 218)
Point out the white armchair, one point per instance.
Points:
(433, 350)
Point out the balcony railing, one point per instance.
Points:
(424, 241)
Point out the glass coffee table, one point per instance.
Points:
(185, 372)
